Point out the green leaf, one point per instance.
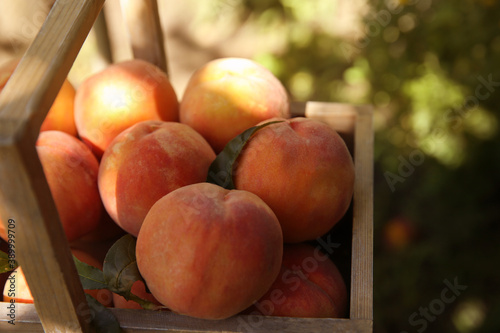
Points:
(90, 276)
(120, 265)
(6, 264)
(121, 271)
(221, 170)
(103, 320)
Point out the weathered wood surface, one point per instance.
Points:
(135, 31)
(142, 321)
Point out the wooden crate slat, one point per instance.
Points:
(139, 321)
(119, 41)
(41, 246)
(354, 123)
(131, 321)
(134, 31)
(144, 28)
(362, 246)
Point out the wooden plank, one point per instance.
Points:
(362, 245)
(354, 123)
(139, 321)
(168, 321)
(119, 41)
(341, 117)
(41, 245)
(134, 31)
(27, 320)
(145, 32)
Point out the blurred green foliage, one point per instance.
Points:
(431, 70)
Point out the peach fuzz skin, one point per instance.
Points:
(144, 163)
(309, 285)
(226, 96)
(71, 171)
(120, 96)
(208, 252)
(303, 170)
(60, 116)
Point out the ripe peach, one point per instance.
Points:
(303, 170)
(120, 96)
(147, 161)
(138, 289)
(228, 95)
(3, 231)
(17, 288)
(60, 116)
(208, 252)
(71, 171)
(309, 285)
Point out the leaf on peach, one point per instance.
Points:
(221, 170)
(90, 276)
(120, 270)
(120, 265)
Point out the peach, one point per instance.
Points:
(17, 288)
(71, 171)
(228, 95)
(138, 289)
(120, 96)
(144, 163)
(303, 170)
(309, 285)
(60, 116)
(3, 231)
(208, 252)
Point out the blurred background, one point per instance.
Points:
(431, 69)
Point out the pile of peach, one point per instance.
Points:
(123, 148)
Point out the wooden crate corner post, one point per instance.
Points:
(41, 247)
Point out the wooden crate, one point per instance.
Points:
(41, 246)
